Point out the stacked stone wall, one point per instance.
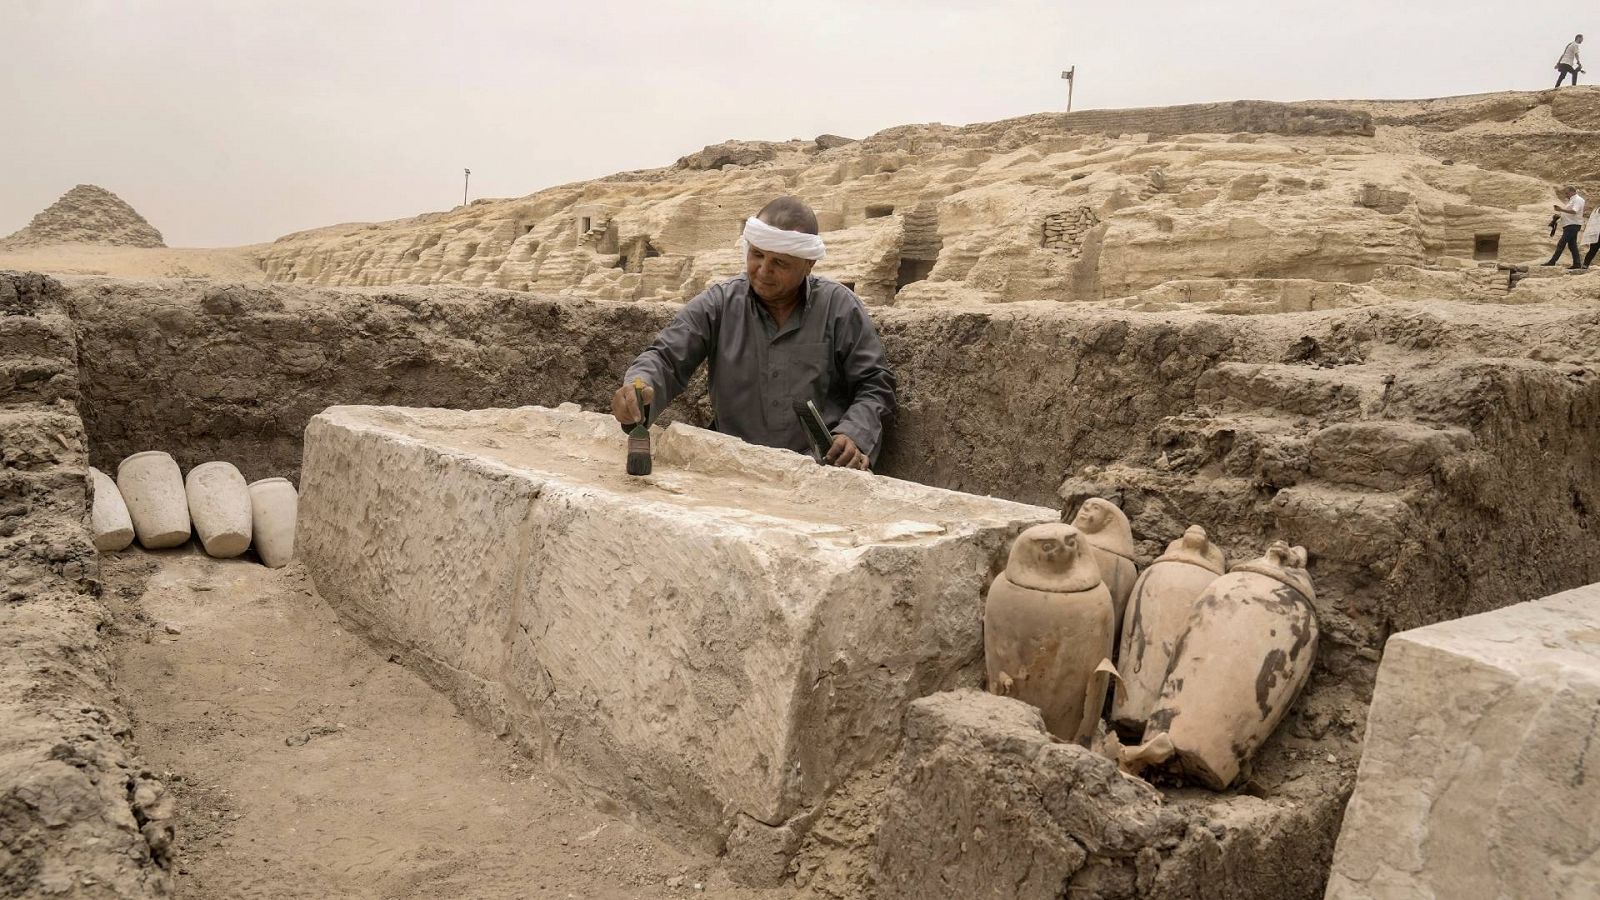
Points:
(1066, 231)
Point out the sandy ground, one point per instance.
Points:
(225, 263)
(307, 765)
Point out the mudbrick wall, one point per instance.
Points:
(1436, 459)
(79, 816)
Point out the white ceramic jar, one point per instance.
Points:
(219, 504)
(108, 516)
(274, 507)
(152, 487)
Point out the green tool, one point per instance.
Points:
(639, 435)
(816, 430)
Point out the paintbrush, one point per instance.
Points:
(639, 435)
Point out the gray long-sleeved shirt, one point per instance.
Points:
(827, 352)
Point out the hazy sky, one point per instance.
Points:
(236, 121)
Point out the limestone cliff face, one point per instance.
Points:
(87, 214)
(1252, 206)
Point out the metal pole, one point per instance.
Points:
(1072, 80)
(467, 179)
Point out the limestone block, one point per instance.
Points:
(108, 517)
(219, 506)
(984, 805)
(734, 634)
(274, 507)
(1474, 779)
(152, 485)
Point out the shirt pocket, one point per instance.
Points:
(808, 371)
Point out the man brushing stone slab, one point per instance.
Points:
(772, 337)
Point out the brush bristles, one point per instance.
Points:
(639, 455)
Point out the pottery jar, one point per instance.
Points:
(1246, 653)
(1047, 627)
(152, 487)
(274, 507)
(219, 505)
(109, 521)
(1157, 616)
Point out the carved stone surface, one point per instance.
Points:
(1047, 626)
(734, 634)
(1157, 617)
(1242, 660)
(1107, 529)
(1480, 775)
(219, 506)
(152, 485)
(109, 521)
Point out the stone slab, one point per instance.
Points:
(984, 803)
(1480, 776)
(734, 634)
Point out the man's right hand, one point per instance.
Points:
(626, 407)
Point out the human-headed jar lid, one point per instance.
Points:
(1196, 549)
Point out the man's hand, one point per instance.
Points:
(845, 454)
(626, 407)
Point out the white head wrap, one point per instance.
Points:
(762, 236)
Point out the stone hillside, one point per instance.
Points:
(1238, 207)
(87, 214)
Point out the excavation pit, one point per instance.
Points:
(1436, 459)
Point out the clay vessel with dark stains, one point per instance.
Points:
(1243, 658)
(1047, 630)
(1157, 616)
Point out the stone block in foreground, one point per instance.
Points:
(732, 635)
(1480, 776)
(986, 805)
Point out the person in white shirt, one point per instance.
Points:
(1570, 209)
(1569, 64)
(1591, 237)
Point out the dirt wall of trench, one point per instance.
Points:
(80, 816)
(1437, 460)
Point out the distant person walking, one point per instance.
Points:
(1570, 209)
(1569, 64)
(1591, 237)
